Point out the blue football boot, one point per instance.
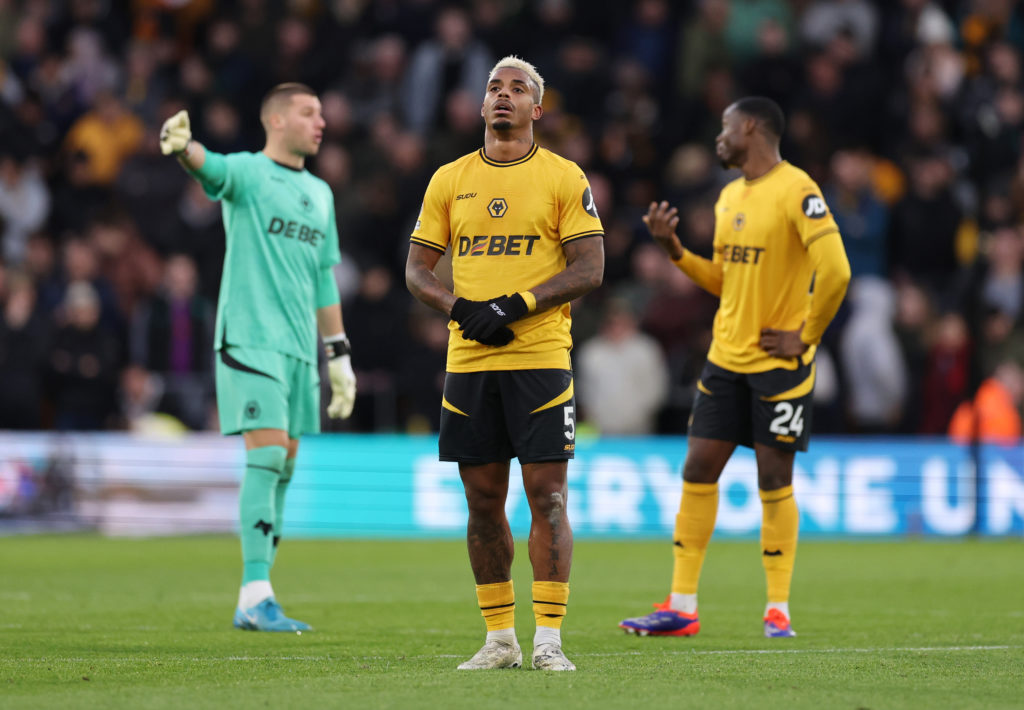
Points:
(267, 616)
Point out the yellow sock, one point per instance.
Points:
(549, 603)
(497, 605)
(780, 525)
(694, 524)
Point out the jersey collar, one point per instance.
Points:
(499, 164)
(768, 174)
(282, 165)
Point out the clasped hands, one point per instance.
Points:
(487, 321)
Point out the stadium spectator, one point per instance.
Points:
(24, 339)
(946, 373)
(24, 202)
(872, 362)
(105, 137)
(83, 363)
(378, 317)
(862, 217)
(623, 377)
(993, 416)
(452, 60)
(925, 224)
(172, 336)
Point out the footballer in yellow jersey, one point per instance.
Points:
(763, 229)
(507, 224)
(780, 270)
(525, 239)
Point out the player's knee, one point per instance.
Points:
(700, 470)
(548, 501)
(773, 480)
(482, 500)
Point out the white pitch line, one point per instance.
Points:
(771, 651)
(692, 652)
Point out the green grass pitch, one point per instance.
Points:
(87, 622)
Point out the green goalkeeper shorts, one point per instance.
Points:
(263, 389)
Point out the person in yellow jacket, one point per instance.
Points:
(780, 271)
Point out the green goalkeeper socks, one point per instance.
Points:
(282, 488)
(263, 468)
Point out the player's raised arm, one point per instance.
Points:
(661, 221)
(176, 139)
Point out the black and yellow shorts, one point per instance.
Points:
(498, 415)
(771, 408)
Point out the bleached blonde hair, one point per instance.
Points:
(514, 62)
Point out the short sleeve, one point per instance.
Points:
(809, 213)
(577, 217)
(221, 175)
(433, 226)
(330, 250)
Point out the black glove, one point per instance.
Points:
(483, 322)
(463, 308)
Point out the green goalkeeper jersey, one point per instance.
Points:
(282, 241)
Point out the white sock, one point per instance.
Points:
(253, 593)
(686, 603)
(547, 634)
(781, 606)
(505, 636)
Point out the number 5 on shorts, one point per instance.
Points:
(570, 424)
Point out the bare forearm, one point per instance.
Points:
(193, 157)
(583, 273)
(329, 321)
(423, 283)
(566, 286)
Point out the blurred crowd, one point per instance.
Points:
(908, 113)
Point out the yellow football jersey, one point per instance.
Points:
(762, 230)
(506, 224)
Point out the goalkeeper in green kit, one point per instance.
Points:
(276, 291)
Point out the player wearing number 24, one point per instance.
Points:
(780, 270)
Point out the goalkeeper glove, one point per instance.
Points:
(496, 313)
(175, 134)
(343, 380)
(464, 307)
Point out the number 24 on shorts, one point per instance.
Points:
(789, 420)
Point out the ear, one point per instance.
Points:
(537, 112)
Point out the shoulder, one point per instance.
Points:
(556, 163)
(246, 156)
(318, 182)
(793, 179)
(731, 188)
(466, 161)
